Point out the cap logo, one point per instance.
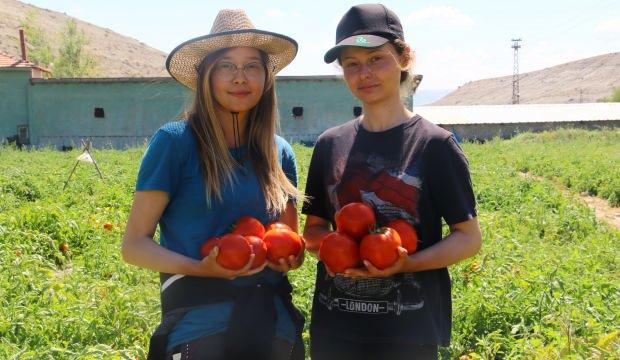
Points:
(361, 40)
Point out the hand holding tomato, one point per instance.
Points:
(339, 252)
(332, 273)
(371, 271)
(291, 263)
(209, 266)
(285, 249)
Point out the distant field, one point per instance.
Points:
(545, 284)
(584, 161)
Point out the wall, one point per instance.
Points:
(326, 102)
(14, 89)
(63, 111)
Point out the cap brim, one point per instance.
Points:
(365, 41)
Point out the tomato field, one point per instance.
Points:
(545, 284)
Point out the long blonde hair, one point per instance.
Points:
(218, 165)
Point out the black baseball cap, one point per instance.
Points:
(365, 25)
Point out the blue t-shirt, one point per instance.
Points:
(171, 163)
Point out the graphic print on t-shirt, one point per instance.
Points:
(393, 192)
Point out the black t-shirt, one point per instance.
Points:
(414, 171)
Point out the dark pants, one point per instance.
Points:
(214, 348)
(326, 347)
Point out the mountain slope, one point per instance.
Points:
(116, 55)
(585, 80)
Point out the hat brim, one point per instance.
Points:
(365, 41)
(183, 61)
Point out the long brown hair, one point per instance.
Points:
(218, 165)
(408, 80)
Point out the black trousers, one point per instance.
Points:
(327, 347)
(213, 347)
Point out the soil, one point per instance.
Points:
(602, 210)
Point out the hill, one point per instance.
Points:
(585, 80)
(116, 55)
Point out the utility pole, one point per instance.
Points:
(515, 74)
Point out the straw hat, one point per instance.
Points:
(231, 28)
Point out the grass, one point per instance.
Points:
(584, 161)
(545, 284)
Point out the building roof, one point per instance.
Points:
(102, 80)
(523, 113)
(170, 79)
(9, 61)
(309, 77)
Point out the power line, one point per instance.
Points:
(515, 74)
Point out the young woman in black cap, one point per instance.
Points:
(403, 167)
(199, 176)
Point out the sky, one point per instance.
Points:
(455, 41)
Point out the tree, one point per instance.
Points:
(39, 50)
(615, 96)
(73, 59)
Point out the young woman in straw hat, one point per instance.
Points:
(201, 174)
(404, 168)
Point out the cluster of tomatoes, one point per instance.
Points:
(248, 236)
(357, 239)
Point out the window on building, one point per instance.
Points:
(298, 112)
(99, 112)
(357, 111)
(22, 133)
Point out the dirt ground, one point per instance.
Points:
(601, 208)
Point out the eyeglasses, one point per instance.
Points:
(228, 70)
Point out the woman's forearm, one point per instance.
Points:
(314, 235)
(460, 244)
(143, 251)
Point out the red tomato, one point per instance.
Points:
(407, 233)
(355, 219)
(108, 226)
(206, 248)
(259, 249)
(281, 243)
(234, 252)
(380, 248)
(339, 252)
(277, 225)
(249, 226)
